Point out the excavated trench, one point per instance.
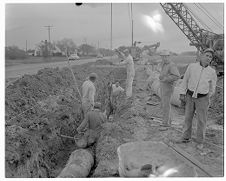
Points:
(42, 106)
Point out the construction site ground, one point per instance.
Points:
(42, 106)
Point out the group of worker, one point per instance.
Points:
(198, 85)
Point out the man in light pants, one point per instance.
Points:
(128, 61)
(168, 75)
(199, 84)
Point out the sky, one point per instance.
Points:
(91, 23)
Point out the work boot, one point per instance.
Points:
(182, 140)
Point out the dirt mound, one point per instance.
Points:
(216, 109)
(39, 108)
(103, 62)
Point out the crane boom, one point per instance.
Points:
(178, 12)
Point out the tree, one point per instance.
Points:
(86, 49)
(13, 52)
(66, 45)
(106, 52)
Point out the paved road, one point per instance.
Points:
(20, 70)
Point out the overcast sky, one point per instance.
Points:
(91, 23)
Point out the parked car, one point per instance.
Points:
(100, 56)
(74, 57)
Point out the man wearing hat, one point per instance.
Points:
(93, 122)
(198, 85)
(128, 61)
(168, 75)
(88, 93)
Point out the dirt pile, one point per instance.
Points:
(216, 109)
(38, 108)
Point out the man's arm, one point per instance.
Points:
(173, 76)
(184, 84)
(124, 62)
(120, 54)
(212, 84)
(83, 125)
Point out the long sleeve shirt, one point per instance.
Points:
(200, 80)
(169, 72)
(88, 91)
(129, 65)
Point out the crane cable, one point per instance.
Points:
(198, 19)
(211, 16)
(206, 14)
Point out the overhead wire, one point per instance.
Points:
(211, 16)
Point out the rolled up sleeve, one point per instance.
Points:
(184, 84)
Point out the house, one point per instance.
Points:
(31, 52)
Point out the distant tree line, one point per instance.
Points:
(13, 52)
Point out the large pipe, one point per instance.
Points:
(78, 165)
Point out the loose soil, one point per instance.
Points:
(41, 106)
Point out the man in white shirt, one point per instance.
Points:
(88, 93)
(128, 61)
(198, 85)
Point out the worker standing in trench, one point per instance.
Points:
(88, 93)
(93, 123)
(128, 61)
(199, 84)
(116, 91)
(168, 75)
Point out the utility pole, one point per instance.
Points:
(26, 46)
(49, 28)
(85, 41)
(111, 27)
(132, 21)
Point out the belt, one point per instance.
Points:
(189, 92)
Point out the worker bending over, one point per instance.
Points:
(168, 75)
(128, 61)
(116, 89)
(199, 84)
(92, 124)
(88, 93)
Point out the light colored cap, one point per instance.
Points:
(93, 75)
(97, 105)
(209, 50)
(165, 53)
